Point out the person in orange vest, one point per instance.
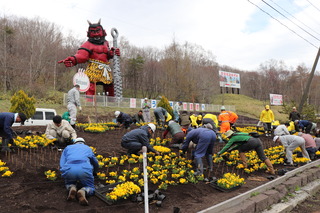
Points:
(233, 117)
(224, 119)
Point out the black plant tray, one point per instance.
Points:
(102, 190)
(214, 185)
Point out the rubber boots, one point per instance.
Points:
(199, 166)
(243, 158)
(5, 147)
(81, 194)
(210, 162)
(270, 167)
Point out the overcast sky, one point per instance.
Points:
(237, 32)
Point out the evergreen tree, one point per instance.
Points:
(164, 103)
(21, 102)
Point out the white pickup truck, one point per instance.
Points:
(41, 117)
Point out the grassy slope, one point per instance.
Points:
(248, 106)
(244, 106)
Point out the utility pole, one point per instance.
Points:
(306, 91)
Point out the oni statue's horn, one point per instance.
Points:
(99, 21)
(89, 22)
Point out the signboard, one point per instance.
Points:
(197, 107)
(133, 103)
(82, 80)
(184, 106)
(203, 107)
(229, 79)
(153, 104)
(276, 99)
(191, 106)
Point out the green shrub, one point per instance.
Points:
(21, 102)
(164, 103)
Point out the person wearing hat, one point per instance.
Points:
(176, 111)
(224, 120)
(267, 117)
(290, 143)
(294, 114)
(123, 119)
(78, 165)
(134, 140)
(204, 139)
(146, 110)
(62, 131)
(244, 142)
(6, 121)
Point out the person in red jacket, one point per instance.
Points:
(97, 52)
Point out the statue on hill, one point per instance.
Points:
(97, 53)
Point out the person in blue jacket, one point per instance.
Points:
(78, 165)
(303, 125)
(123, 119)
(134, 140)
(204, 139)
(6, 121)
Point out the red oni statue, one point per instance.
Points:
(97, 53)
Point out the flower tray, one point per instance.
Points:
(102, 190)
(214, 185)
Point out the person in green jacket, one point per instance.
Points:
(244, 142)
(66, 116)
(176, 132)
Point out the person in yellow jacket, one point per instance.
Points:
(267, 117)
(213, 118)
(224, 119)
(193, 119)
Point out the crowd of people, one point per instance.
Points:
(195, 133)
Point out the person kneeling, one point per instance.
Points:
(78, 165)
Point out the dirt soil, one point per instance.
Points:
(311, 205)
(28, 190)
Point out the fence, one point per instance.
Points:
(109, 101)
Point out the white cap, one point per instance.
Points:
(275, 138)
(152, 127)
(146, 99)
(170, 122)
(79, 140)
(117, 113)
(223, 108)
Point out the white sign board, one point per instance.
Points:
(82, 80)
(276, 99)
(229, 79)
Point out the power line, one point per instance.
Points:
(283, 24)
(295, 17)
(290, 20)
(306, 14)
(313, 5)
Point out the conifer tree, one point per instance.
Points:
(21, 102)
(164, 103)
